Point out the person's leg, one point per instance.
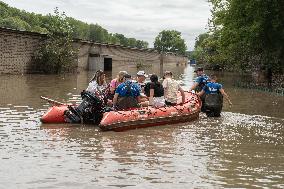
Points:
(203, 108)
(170, 104)
(144, 104)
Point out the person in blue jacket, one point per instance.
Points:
(127, 94)
(213, 101)
(199, 83)
(200, 80)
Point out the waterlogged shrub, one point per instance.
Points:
(57, 55)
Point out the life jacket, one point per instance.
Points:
(128, 101)
(200, 86)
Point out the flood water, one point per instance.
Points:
(242, 149)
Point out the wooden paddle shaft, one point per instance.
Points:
(52, 101)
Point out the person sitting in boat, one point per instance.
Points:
(97, 84)
(199, 83)
(99, 87)
(214, 97)
(155, 92)
(115, 82)
(127, 94)
(171, 88)
(141, 77)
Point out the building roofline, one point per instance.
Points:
(22, 31)
(85, 41)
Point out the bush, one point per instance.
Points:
(57, 55)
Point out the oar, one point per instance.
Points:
(51, 101)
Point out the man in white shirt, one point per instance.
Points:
(172, 87)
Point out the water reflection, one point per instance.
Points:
(243, 148)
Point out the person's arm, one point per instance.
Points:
(151, 97)
(182, 94)
(165, 86)
(112, 86)
(112, 90)
(225, 95)
(139, 99)
(165, 83)
(142, 88)
(195, 84)
(201, 92)
(115, 99)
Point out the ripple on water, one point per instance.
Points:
(235, 150)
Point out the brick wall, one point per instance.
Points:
(16, 50)
(18, 47)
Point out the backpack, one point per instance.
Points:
(128, 101)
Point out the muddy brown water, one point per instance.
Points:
(242, 149)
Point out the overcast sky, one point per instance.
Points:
(141, 19)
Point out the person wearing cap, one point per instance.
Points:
(214, 100)
(141, 77)
(200, 80)
(127, 94)
(171, 88)
(199, 83)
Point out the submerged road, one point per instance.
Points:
(244, 148)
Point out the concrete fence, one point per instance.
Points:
(17, 49)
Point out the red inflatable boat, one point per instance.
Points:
(55, 114)
(147, 117)
(137, 118)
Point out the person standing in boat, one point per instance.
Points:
(171, 88)
(200, 82)
(127, 94)
(97, 84)
(155, 92)
(115, 82)
(213, 101)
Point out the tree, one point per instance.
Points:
(200, 39)
(4, 10)
(251, 32)
(81, 30)
(98, 33)
(170, 41)
(122, 39)
(113, 39)
(57, 54)
(141, 44)
(14, 23)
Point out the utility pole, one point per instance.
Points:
(161, 63)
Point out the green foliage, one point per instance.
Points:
(57, 54)
(19, 19)
(15, 23)
(248, 34)
(141, 64)
(98, 33)
(170, 41)
(81, 30)
(141, 44)
(207, 51)
(199, 40)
